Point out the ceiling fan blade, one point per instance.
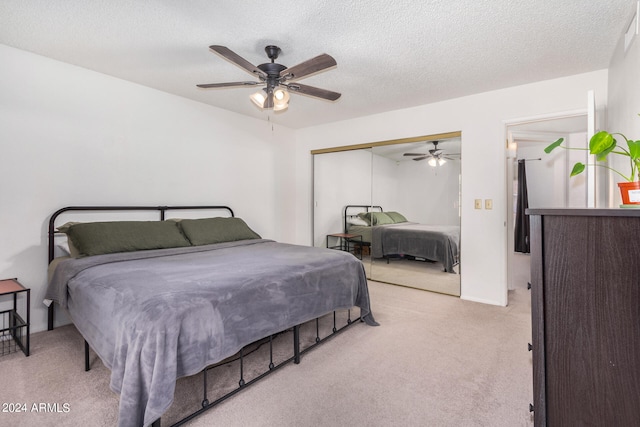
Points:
(420, 158)
(309, 67)
(236, 59)
(414, 154)
(313, 91)
(230, 84)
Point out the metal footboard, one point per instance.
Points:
(271, 367)
(295, 358)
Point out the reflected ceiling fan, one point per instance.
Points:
(277, 79)
(436, 156)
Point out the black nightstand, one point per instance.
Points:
(15, 330)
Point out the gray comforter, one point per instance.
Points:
(433, 242)
(158, 315)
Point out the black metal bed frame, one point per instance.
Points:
(205, 404)
(297, 353)
(161, 209)
(346, 216)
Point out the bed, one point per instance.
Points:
(183, 295)
(389, 235)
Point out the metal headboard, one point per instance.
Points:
(161, 209)
(368, 208)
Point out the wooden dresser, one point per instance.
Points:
(585, 307)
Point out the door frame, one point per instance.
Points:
(509, 152)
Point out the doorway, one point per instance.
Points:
(547, 175)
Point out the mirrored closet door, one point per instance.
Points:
(397, 206)
(339, 179)
(418, 186)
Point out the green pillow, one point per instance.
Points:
(396, 217)
(376, 218)
(73, 251)
(365, 216)
(216, 230)
(381, 218)
(97, 238)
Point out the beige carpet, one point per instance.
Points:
(435, 360)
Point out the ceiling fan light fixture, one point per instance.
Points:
(441, 161)
(281, 95)
(432, 162)
(280, 107)
(280, 99)
(258, 98)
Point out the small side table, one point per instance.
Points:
(15, 331)
(344, 241)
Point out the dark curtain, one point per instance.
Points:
(522, 220)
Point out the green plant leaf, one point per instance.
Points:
(578, 168)
(600, 142)
(603, 155)
(634, 149)
(553, 146)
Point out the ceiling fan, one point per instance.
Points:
(436, 156)
(277, 79)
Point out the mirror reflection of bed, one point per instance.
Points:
(404, 252)
(382, 178)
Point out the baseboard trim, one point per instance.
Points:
(483, 301)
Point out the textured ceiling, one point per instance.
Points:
(391, 54)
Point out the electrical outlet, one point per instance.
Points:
(488, 203)
(478, 204)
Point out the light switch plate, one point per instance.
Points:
(488, 203)
(478, 204)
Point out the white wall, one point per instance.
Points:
(624, 102)
(70, 136)
(481, 119)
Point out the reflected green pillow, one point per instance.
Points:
(376, 218)
(396, 217)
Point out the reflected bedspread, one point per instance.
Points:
(433, 242)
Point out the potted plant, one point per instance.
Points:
(602, 144)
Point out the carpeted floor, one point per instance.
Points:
(435, 360)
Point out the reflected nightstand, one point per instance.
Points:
(344, 242)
